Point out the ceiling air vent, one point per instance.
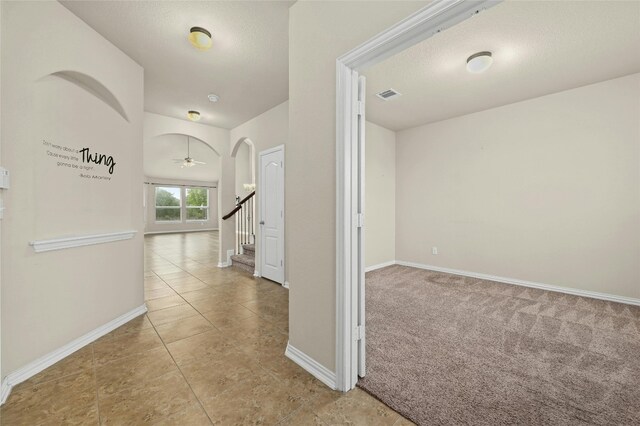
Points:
(385, 95)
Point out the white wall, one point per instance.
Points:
(49, 299)
(380, 195)
(150, 224)
(244, 166)
(265, 131)
(319, 32)
(544, 190)
(161, 151)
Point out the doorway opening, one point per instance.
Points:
(350, 118)
(244, 212)
(477, 157)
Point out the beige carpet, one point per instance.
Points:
(449, 350)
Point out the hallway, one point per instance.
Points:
(209, 351)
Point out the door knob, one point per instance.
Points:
(262, 222)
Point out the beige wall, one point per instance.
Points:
(545, 190)
(319, 32)
(244, 172)
(380, 195)
(49, 299)
(150, 224)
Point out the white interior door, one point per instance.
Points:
(272, 214)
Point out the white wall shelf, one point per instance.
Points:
(85, 240)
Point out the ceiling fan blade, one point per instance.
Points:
(199, 162)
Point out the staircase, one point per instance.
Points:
(245, 257)
(247, 260)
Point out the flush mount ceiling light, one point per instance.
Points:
(479, 62)
(213, 98)
(200, 38)
(193, 115)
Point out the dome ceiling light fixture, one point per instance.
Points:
(479, 62)
(200, 38)
(193, 115)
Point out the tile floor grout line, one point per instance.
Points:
(181, 373)
(95, 380)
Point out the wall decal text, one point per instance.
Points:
(83, 160)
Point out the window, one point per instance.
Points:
(197, 202)
(168, 204)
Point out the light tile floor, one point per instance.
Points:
(209, 351)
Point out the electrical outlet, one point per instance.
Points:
(434, 250)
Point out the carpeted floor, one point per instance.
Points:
(449, 350)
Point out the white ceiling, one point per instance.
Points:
(539, 47)
(160, 151)
(247, 66)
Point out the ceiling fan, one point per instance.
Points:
(187, 161)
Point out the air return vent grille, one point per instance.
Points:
(385, 95)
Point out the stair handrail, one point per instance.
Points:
(238, 206)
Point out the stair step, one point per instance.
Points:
(244, 262)
(244, 259)
(249, 249)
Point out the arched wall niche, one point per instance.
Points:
(93, 87)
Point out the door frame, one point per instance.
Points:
(259, 194)
(426, 22)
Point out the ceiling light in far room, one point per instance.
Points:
(193, 115)
(479, 62)
(200, 38)
(213, 98)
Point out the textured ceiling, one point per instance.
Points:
(539, 47)
(247, 66)
(160, 151)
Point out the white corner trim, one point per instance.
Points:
(379, 266)
(51, 358)
(228, 262)
(286, 285)
(5, 390)
(256, 273)
(524, 283)
(312, 366)
(85, 240)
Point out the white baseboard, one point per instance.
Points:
(5, 390)
(177, 231)
(524, 283)
(286, 285)
(51, 358)
(256, 274)
(312, 366)
(379, 265)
